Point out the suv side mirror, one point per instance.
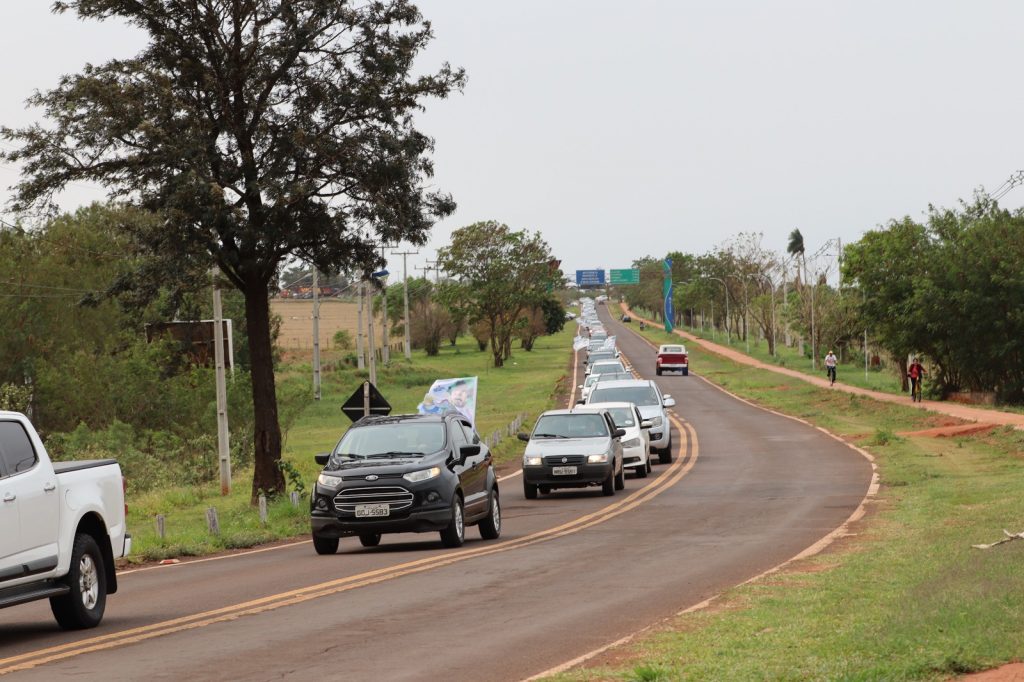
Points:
(669, 401)
(322, 458)
(467, 451)
(580, 402)
(646, 424)
(619, 433)
(525, 437)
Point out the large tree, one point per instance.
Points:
(500, 274)
(259, 130)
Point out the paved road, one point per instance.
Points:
(572, 571)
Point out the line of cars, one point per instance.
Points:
(433, 473)
(616, 425)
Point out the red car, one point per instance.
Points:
(673, 358)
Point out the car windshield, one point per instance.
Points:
(639, 395)
(605, 368)
(386, 440)
(571, 426)
(615, 376)
(591, 380)
(623, 416)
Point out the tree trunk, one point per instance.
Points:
(267, 476)
(496, 351)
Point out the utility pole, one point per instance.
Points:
(373, 346)
(361, 361)
(386, 346)
(437, 270)
(316, 333)
(223, 444)
(405, 295)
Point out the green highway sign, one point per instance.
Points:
(629, 276)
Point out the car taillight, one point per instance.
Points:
(124, 493)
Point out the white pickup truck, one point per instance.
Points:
(62, 524)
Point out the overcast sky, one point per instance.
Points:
(621, 129)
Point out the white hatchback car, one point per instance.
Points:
(636, 444)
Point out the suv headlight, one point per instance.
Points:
(631, 443)
(328, 481)
(532, 461)
(655, 421)
(597, 459)
(422, 475)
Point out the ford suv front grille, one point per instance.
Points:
(396, 497)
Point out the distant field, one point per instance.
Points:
(335, 314)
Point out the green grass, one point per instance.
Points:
(526, 384)
(907, 598)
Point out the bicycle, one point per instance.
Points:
(915, 390)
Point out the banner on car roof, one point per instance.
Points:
(609, 343)
(451, 395)
(580, 342)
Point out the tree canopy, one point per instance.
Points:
(258, 130)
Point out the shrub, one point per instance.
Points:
(343, 339)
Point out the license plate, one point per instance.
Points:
(371, 510)
(563, 471)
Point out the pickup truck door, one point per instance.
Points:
(10, 526)
(32, 481)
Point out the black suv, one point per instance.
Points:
(405, 474)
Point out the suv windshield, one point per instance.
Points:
(639, 395)
(401, 438)
(571, 426)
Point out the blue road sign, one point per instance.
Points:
(590, 278)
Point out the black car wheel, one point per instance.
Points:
(608, 487)
(83, 606)
(665, 453)
(325, 545)
(620, 479)
(649, 467)
(529, 490)
(370, 539)
(490, 528)
(641, 471)
(455, 534)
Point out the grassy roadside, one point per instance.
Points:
(526, 384)
(906, 598)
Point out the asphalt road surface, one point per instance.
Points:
(572, 571)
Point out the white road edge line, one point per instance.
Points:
(815, 548)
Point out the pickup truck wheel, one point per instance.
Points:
(490, 528)
(83, 606)
(608, 487)
(686, 372)
(665, 454)
(529, 490)
(620, 479)
(369, 539)
(658, 371)
(325, 545)
(455, 534)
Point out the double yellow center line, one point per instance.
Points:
(672, 475)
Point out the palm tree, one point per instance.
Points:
(796, 248)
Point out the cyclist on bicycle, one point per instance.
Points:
(916, 374)
(830, 367)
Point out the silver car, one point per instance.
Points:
(646, 395)
(570, 449)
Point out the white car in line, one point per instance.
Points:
(636, 444)
(605, 367)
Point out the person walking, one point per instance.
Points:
(916, 374)
(830, 367)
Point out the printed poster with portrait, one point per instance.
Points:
(451, 395)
